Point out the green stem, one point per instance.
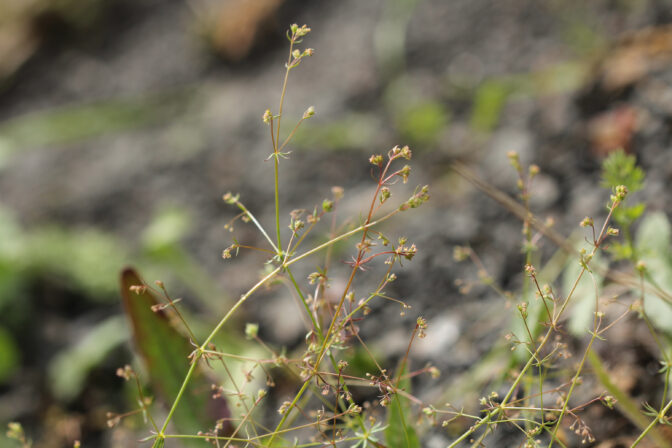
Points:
(276, 147)
(305, 304)
(649, 428)
(158, 442)
(287, 412)
(624, 403)
(258, 225)
(199, 352)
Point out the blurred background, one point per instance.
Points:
(122, 123)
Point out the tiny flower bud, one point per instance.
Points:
(230, 199)
(251, 330)
(309, 112)
(522, 307)
(530, 270)
(514, 160)
(587, 222)
(300, 32)
(283, 409)
(384, 194)
(267, 117)
(327, 205)
(376, 160)
(461, 253)
(404, 173)
(138, 289)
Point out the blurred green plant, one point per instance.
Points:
(423, 122)
(72, 123)
(620, 168)
(489, 101)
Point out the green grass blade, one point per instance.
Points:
(400, 432)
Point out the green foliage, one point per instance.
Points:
(353, 131)
(167, 228)
(165, 354)
(86, 257)
(621, 169)
(655, 250)
(73, 123)
(9, 355)
(423, 122)
(314, 399)
(399, 431)
(489, 101)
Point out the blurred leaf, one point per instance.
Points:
(354, 131)
(653, 245)
(559, 78)
(86, 257)
(488, 103)
(400, 432)
(621, 169)
(169, 226)
(422, 122)
(68, 369)
(621, 251)
(9, 355)
(165, 353)
(625, 215)
(68, 124)
(654, 234)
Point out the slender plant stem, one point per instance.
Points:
(276, 143)
(287, 412)
(159, 438)
(258, 225)
(659, 417)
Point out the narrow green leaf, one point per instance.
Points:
(165, 352)
(400, 432)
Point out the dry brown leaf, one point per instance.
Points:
(233, 26)
(636, 55)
